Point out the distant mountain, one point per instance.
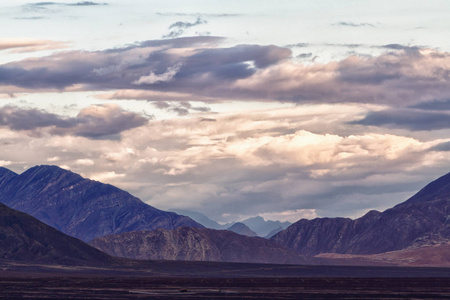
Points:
(263, 227)
(80, 207)
(201, 218)
(421, 220)
(26, 239)
(200, 244)
(257, 224)
(273, 232)
(242, 229)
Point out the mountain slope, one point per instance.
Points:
(422, 219)
(200, 244)
(24, 238)
(80, 207)
(431, 255)
(241, 228)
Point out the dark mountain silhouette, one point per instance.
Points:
(199, 244)
(80, 207)
(421, 220)
(26, 239)
(242, 229)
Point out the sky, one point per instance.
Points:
(283, 109)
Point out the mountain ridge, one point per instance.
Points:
(423, 217)
(81, 207)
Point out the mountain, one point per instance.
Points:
(263, 227)
(201, 218)
(273, 232)
(423, 219)
(200, 244)
(80, 207)
(257, 224)
(26, 239)
(242, 229)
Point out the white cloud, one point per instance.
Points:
(163, 77)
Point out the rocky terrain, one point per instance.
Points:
(431, 255)
(80, 207)
(198, 244)
(421, 220)
(25, 239)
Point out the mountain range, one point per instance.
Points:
(123, 225)
(422, 220)
(80, 207)
(256, 224)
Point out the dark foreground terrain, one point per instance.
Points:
(223, 288)
(190, 280)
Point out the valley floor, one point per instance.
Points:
(202, 280)
(223, 288)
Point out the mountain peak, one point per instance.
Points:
(242, 229)
(438, 189)
(6, 175)
(81, 207)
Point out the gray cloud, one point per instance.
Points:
(304, 55)
(434, 105)
(172, 14)
(298, 45)
(411, 119)
(441, 147)
(243, 71)
(351, 24)
(86, 3)
(181, 24)
(179, 27)
(96, 122)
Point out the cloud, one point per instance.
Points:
(173, 14)
(351, 24)
(181, 24)
(96, 121)
(440, 105)
(445, 147)
(252, 72)
(153, 78)
(179, 27)
(282, 162)
(412, 119)
(30, 45)
(86, 3)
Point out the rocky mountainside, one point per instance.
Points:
(421, 220)
(242, 229)
(80, 207)
(25, 239)
(199, 244)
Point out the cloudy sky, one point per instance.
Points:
(284, 109)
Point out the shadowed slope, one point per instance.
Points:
(24, 238)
